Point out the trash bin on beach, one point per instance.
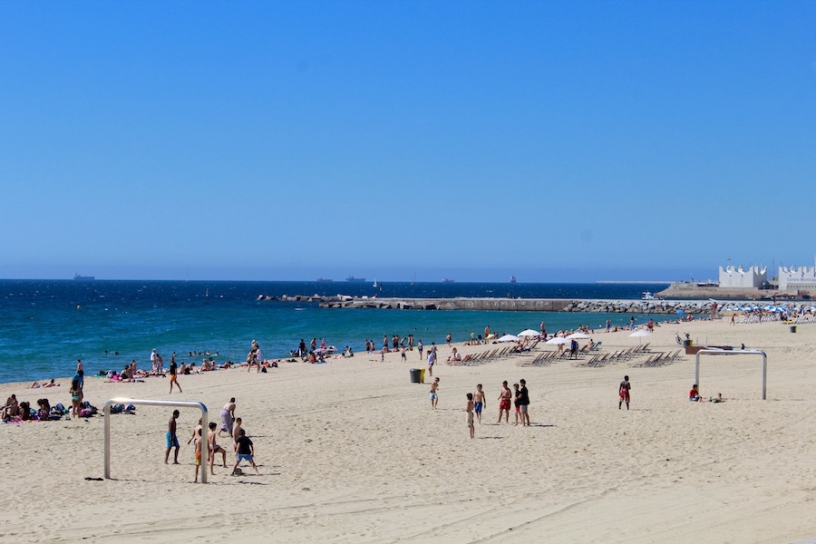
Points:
(421, 375)
(793, 328)
(686, 343)
(415, 375)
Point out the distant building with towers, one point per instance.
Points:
(738, 277)
(797, 279)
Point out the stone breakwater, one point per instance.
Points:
(504, 304)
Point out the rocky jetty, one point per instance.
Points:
(503, 304)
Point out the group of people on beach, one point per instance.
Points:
(242, 445)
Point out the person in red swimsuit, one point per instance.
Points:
(623, 392)
(504, 402)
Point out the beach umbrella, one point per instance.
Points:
(529, 332)
(557, 340)
(640, 334)
(578, 336)
(508, 338)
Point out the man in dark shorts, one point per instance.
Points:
(524, 402)
(172, 439)
(623, 392)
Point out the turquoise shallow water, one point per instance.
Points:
(45, 326)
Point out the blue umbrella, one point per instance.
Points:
(679, 312)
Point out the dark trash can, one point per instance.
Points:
(414, 375)
(686, 343)
(793, 328)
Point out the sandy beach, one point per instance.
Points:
(351, 451)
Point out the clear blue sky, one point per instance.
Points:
(290, 140)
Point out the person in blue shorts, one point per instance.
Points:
(479, 402)
(172, 439)
(245, 451)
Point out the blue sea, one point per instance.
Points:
(46, 325)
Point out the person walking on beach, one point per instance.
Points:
(172, 439)
(227, 417)
(245, 451)
(524, 403)
(623, 392)
(608, 325)
(543, 331)
(420, 348)
(174, 377)
(479, 402)
(431, 360)
(448, 339)
(434, 395)
(469, 418)
(504, 402)
(153, 361)
(487, 335)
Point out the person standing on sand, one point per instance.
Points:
(623, 392)
(198, 440)
(479, 402)
(608, 324)
(504, 402)
(434, 396)
(153, 364)
(174, 377)
(214, 448)
(420, 348)
(524, 403)
(448, 339)
(227, 417)
(487, 335)
(236, 431)
(469, 418)
(245, 451)
(543, 331)
(172, 439)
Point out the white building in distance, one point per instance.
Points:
(797, 279)
(732, 277)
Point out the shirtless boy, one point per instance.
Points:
(469, 410)
(197, 454)
(236, 432)
(504, 402)
(173, 377)
(215, 448)
(434, 395)
(479, 402)
(172, 439)
(245, 451)
(623, 392)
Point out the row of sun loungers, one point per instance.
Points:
(484, 357)
(660, 359)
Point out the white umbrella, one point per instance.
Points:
(529, 332)
(640, 334)
(557, 340)
(508, 338)
(578, 336)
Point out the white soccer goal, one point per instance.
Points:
(732, 352)
(205, 446)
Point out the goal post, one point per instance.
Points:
(205, 446)
(732, 352)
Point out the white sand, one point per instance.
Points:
(351, 451)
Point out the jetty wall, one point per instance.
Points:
(504, 304)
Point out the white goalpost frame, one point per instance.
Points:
(733, 352)
(205, 446)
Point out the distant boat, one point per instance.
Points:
(648, 296)
(322, 280)
(375, 283)
(355, 280)
(448, 280)
(512, 279)
(77, 277)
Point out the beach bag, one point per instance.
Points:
(116, 409)
(130, 408)
(85, 412)
(263, 369)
